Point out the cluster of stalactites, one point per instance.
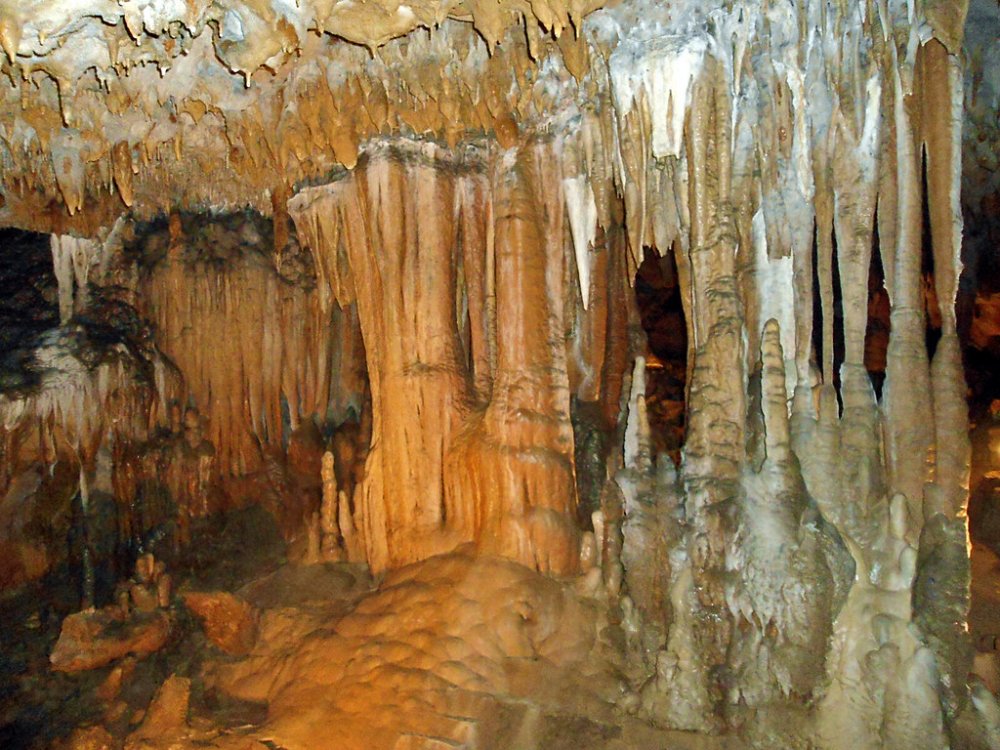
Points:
(259, 353)
(75, 408)
(89, 395)
(63, 39)
(182, 131)
(168, 125)
(463, 270)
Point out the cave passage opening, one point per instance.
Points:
(661, 313)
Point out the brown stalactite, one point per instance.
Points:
(616, 355)
(476, 242)
(941, 600)
(942, 83)
(597, 347)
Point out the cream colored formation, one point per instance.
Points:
(476, 183)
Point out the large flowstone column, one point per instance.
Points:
(457, 268)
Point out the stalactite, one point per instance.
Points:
(909, 438)
(854, 213)
(942, 83)
(253, 343)
(72, 258)
(620, 301)
(478, 267)
(599, 336)
(941, 598)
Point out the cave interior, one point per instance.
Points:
(499, 375)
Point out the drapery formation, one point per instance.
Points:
(459, 264)
(243, 321)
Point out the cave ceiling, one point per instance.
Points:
(142, 106)
(216, 103)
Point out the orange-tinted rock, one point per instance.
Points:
(20, 562)
(87, 738)
(164, 588)
(305, 452)
(112, 685)
(984, 332)
(228, 621)
(145, 568)
(91, 639)
(419, 659)
(168, 710)
(115, 712)
(144, 598)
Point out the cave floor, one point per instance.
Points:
(508, 660)
(453, 652)
(39, 705)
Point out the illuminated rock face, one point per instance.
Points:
(474, 207)
(472, 439)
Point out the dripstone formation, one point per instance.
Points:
(369, 266)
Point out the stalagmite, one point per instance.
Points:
(329, 509)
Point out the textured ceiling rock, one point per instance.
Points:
(211, 103)
(148, 105)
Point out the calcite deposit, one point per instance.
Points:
(369, 267)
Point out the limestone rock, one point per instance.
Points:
(228, 621)
(412, 661)
(91, 639)
(117, 677)
(168, 709)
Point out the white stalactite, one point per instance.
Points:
(72, 258)
(582, 212)
(663, 70)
